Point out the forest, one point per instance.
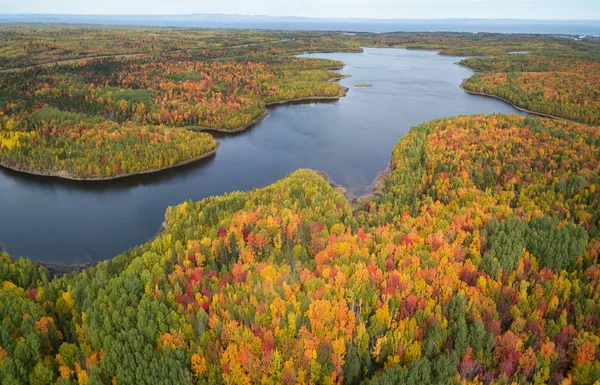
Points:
(112, 117)
(474, 262)
(129, 107)
(71, 145)
(548, 75)
(558, 86)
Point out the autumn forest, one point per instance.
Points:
(473, 261)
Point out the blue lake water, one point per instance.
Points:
(53, 220)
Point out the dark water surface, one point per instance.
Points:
(53, 220)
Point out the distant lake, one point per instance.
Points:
(52, 220)
(559, 27)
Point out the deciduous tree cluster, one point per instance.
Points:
(477, 264)
(112, 117)
(559, 86)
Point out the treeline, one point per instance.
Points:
(470, 44)
(113, 117)
(556, 86)
(477, 264)
(71, 145)
(26, 45)
(175, 90)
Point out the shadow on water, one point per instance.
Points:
(126, 183)
(248, 131)
(159, 177)
(72, 222)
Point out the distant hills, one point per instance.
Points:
(218, 20)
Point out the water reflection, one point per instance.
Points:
(54, 220)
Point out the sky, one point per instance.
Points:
(383, 9)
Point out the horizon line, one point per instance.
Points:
(353, 18)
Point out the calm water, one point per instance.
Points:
(51, 220)
(559, 27)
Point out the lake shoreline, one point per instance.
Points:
(265, 113)
(336, 187)
(69, 177)
(355, 200)
(376, 187)
(255, 121)
(57, 270)
(460, 64)
(461, 86)
(514, 105)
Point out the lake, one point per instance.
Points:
(57, 221)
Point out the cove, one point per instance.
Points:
(67, 222)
